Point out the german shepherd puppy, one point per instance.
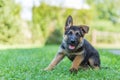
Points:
(76, 48)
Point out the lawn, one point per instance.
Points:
(28, 64)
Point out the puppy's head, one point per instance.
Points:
(74, 35)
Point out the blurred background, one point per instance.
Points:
(41, 22)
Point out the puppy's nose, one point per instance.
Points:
(72, 41)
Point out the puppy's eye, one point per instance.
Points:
(77, 34)
(70, 33)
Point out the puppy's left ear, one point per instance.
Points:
(84, 28)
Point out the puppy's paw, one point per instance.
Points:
(73, 70)
(47, 69)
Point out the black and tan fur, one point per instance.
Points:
(76, 48)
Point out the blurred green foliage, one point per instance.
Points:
(50, 21)
(47, 25)
(9, 21)
(106, 9)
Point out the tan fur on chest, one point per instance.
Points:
(74, 53)
(65, 52)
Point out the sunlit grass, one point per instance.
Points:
(28, 64)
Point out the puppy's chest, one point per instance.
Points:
(71, 56)
(73, 53)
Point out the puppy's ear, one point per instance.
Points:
(69, 22)
(84, 28)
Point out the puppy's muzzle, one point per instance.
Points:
(72, 41)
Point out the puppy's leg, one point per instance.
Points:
(55, 61)
(84, 67)
(76, 62)
(94, 63)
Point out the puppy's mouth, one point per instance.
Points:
(71, 47)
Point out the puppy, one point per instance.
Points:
(76, 48)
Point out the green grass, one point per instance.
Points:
(28, 64)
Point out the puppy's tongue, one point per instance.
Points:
(71, 47)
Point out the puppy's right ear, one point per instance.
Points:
(69, 22)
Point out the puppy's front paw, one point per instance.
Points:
(73, 70)
(48, 69)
